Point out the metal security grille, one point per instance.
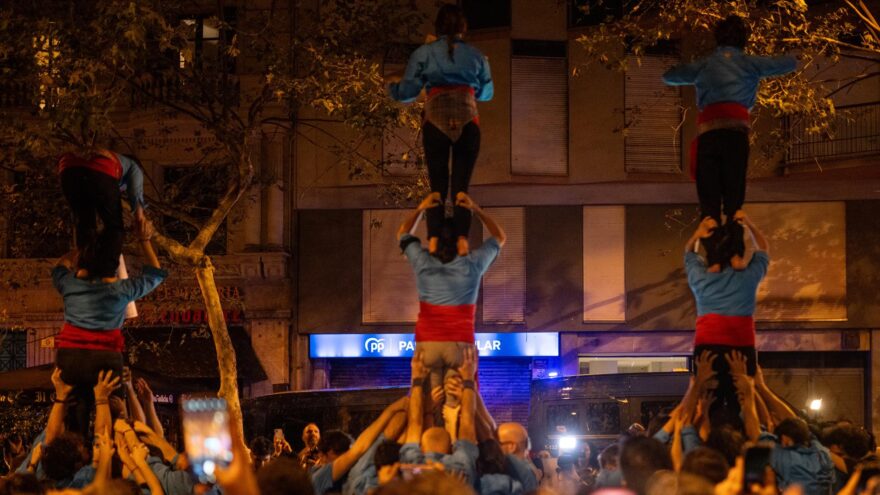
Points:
(539, 116)
(652, 117)
(13, 349)
(856, 132)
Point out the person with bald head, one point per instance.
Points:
(309, 455)
(514, 441)
(434, 444)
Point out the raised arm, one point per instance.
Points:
(745, 389)
(416, 399)
(704, 230)
(467, 429)
(343, 463)
(147, 401)
(683, 74)
(134, 184)
(145, 233)
(758, 238)
(55, 425)
(465, 201)
(409, 223)
(107, 383)
(135, 411)
(778, 408)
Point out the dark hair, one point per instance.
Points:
(717, 247)
(335, 440)
(732, 31)
(707, 463)
(492, 459)
(284, 476)
(640, 457)
(63, 457)
(794, 428)
(610, 456)
(855, 442)
(726, 440)
(387, 453)
(21, 484)
(261, 447)
(447, 242)
(451, 23)
(565, 462)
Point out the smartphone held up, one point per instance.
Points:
(207, 438)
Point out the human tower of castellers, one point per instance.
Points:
(729, 435)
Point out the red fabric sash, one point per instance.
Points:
(74, 337)
(98, 163)
(715, 329)
(445, 323)
(716, 111)
(455, 87)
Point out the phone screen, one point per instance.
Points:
(756, 462)
(206, 436)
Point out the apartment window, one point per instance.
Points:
(13, 349)
(207, 38)
(194, 191)
(485, 14)
(504, 285)
(539, 108)
(653, 117)
(593, 12)
(604, 263)
(389, 286)
(613, 365)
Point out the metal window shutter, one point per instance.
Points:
(504, 285)
(653, 117)
(539, 116)
(389, 286)
(604, 263)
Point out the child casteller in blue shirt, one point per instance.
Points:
(727, 83)
(94, 309)
(456, 76)
(448, 287)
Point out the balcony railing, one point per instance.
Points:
(856, 133)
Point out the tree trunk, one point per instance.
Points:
(222, 343)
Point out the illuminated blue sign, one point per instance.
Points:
(391, 345)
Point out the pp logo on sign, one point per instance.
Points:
(373, 344)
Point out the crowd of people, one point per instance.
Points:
(730, 434)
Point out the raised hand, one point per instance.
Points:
(419, 370)
(431, 201)
(107, 383)
(704, 364)
(143, 390)
(737, 362)
(462, 199)
(706, 227)
(62, 390)
(468, 369)
(437, 397)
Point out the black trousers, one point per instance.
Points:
(91, 195)
(79, 368)
(722, 160)
(464, 156)
(725, 394)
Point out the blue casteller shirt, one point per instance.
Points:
(499, 484)
(520, 470)
(463, 458)
(363, 476)
(132, 182)
(728, 75)
(96, 305)
(809, 466)
(173, 482)
(728, 293)
(322, 480)
(81, 479)
(430, 66)
(449, 284)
